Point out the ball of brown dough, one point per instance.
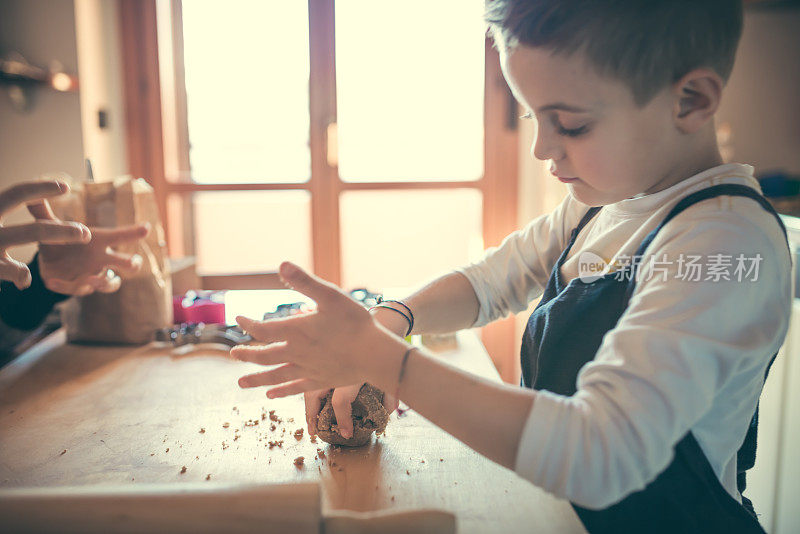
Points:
(369, 415)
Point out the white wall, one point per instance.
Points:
(762, 100)
(48, 137)
(100, 64)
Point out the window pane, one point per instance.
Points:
(414, 236)
(251, 231)
(410, 90)
(247, 67)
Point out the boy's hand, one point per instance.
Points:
(320, 350)
(42, 231)
(342, 401)
(85, 268)
(343, 397)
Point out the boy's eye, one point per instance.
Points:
(575, 132)
(569, 132)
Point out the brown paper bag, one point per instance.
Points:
(143, 303)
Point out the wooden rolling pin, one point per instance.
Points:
(198, 508)
(389, 522)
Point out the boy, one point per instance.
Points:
(641, 383)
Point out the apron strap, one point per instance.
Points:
(747, 452)
(705, 194)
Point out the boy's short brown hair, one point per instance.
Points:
(648, 44)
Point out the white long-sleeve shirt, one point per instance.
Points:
(685, 355)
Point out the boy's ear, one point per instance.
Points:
(697, 97)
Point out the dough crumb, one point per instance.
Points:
(299, 461)
(298, 434)
(183, 469)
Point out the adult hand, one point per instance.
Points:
(82, 269)
(331, 347)
(42, 231)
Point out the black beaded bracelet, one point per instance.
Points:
(407, 318)
(410, 316)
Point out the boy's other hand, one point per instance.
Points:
(52, 231)
(342, 401)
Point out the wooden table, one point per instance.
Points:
(81, 416)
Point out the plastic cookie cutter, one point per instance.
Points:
(186, 334)
(366, 297)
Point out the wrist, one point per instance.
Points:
(386, 360)
(390, 320)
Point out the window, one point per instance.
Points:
(373, 142)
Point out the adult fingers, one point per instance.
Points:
(125, 234)
(41, 209)
(321, 291)
(279, 375)
(109, 283)
(313, 401)
(342, 402)
(29, 191)
(48, 232)
(80, 287)
(15, 272)
(126, 264)
(83, 290)
(267, 331)
(267, 355)
(64, 287)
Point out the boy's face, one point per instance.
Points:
(590, 128)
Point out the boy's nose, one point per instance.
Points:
(544, 152)
(544, 146)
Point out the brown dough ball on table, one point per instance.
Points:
(369, 415)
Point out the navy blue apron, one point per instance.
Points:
(687, 496)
